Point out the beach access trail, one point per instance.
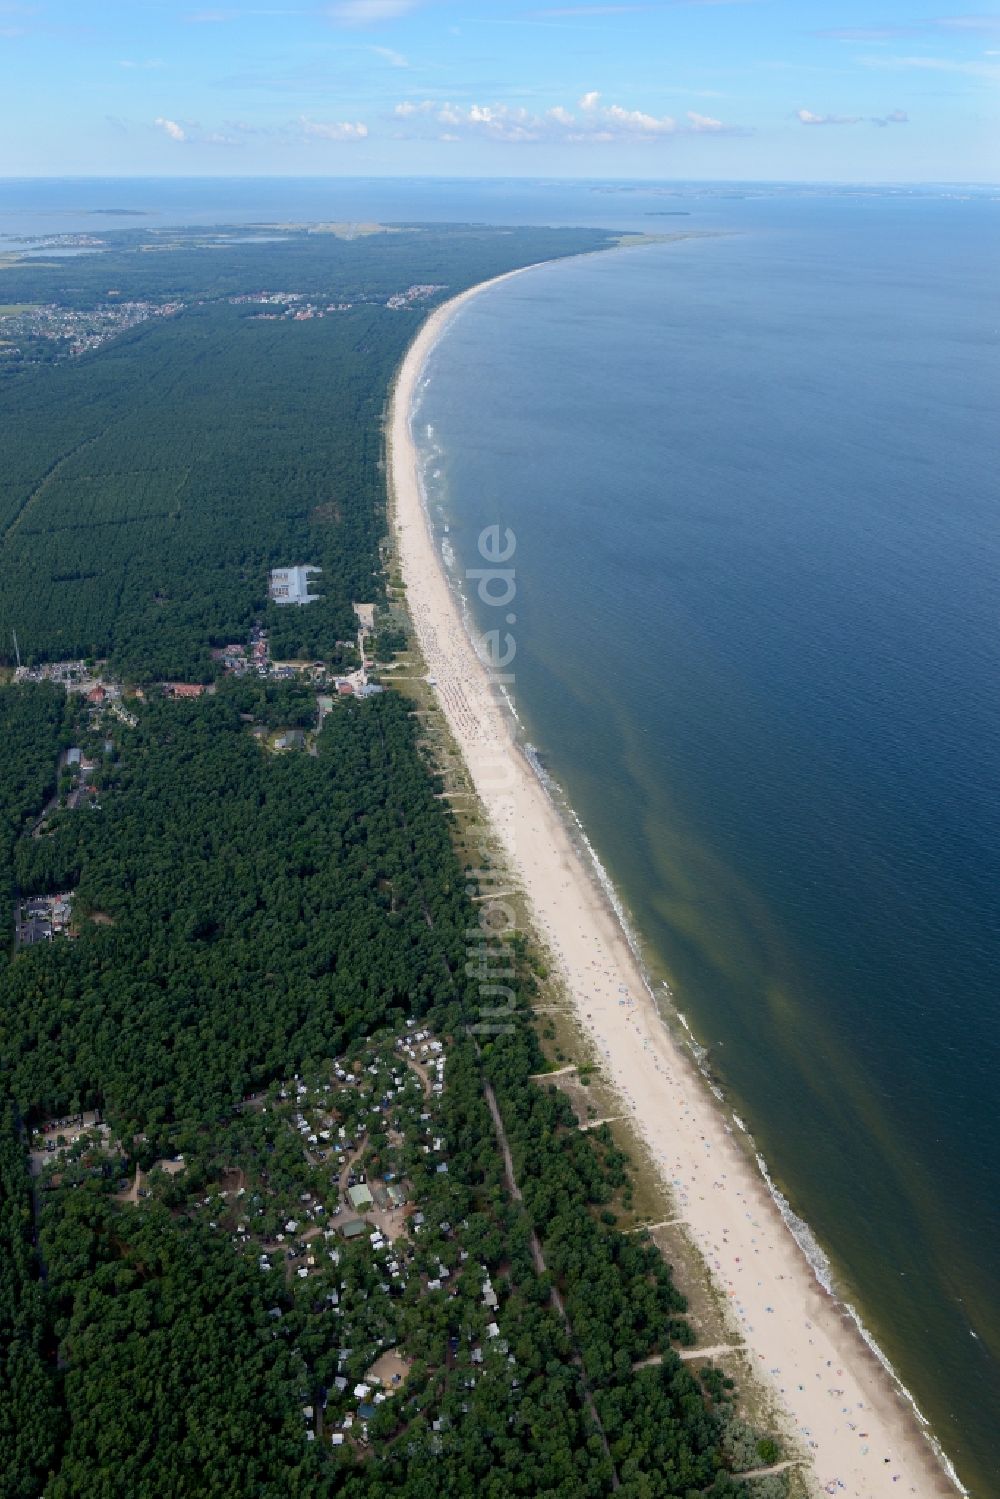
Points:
(842, 1409)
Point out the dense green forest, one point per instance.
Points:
(34, 724)
(241, 916)
(265, 995)
(144, 508)
(176, 264)
(148, 486)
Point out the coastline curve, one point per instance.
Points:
(844, 1407)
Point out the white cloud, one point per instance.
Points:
(498, 122)
(867, 33)
(18, 29)
(338, 130)
(986, 70)
(704, 124)
(896, 117)
(212, 17)
(575, 11)
(961, 24)
(175, 131)
(808, 118)
(633, 121)
(391, 56)
(594, 123)
(242, 133)
(368, 12)
(968, 23)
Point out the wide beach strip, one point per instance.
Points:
(843, 1410)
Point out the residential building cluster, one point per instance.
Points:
(295, 305)
(33, 333)
(73, 1135)
(44, 917)
(75, 676)
(56, 241)
(412, 294)
(41, 918)
(338, 1192)
(288, 304)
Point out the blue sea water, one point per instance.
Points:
(62, 205)
(753, 481)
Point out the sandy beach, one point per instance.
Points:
(859, 1434)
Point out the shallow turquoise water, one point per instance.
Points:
(753, 484)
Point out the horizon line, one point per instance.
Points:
(495, 177)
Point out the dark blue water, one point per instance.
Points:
(753, 481)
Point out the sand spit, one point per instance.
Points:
(860, 1434)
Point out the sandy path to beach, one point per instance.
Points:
(860, 1435)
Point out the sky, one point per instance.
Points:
(766, 90)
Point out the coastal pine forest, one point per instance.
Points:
(276, 1219)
